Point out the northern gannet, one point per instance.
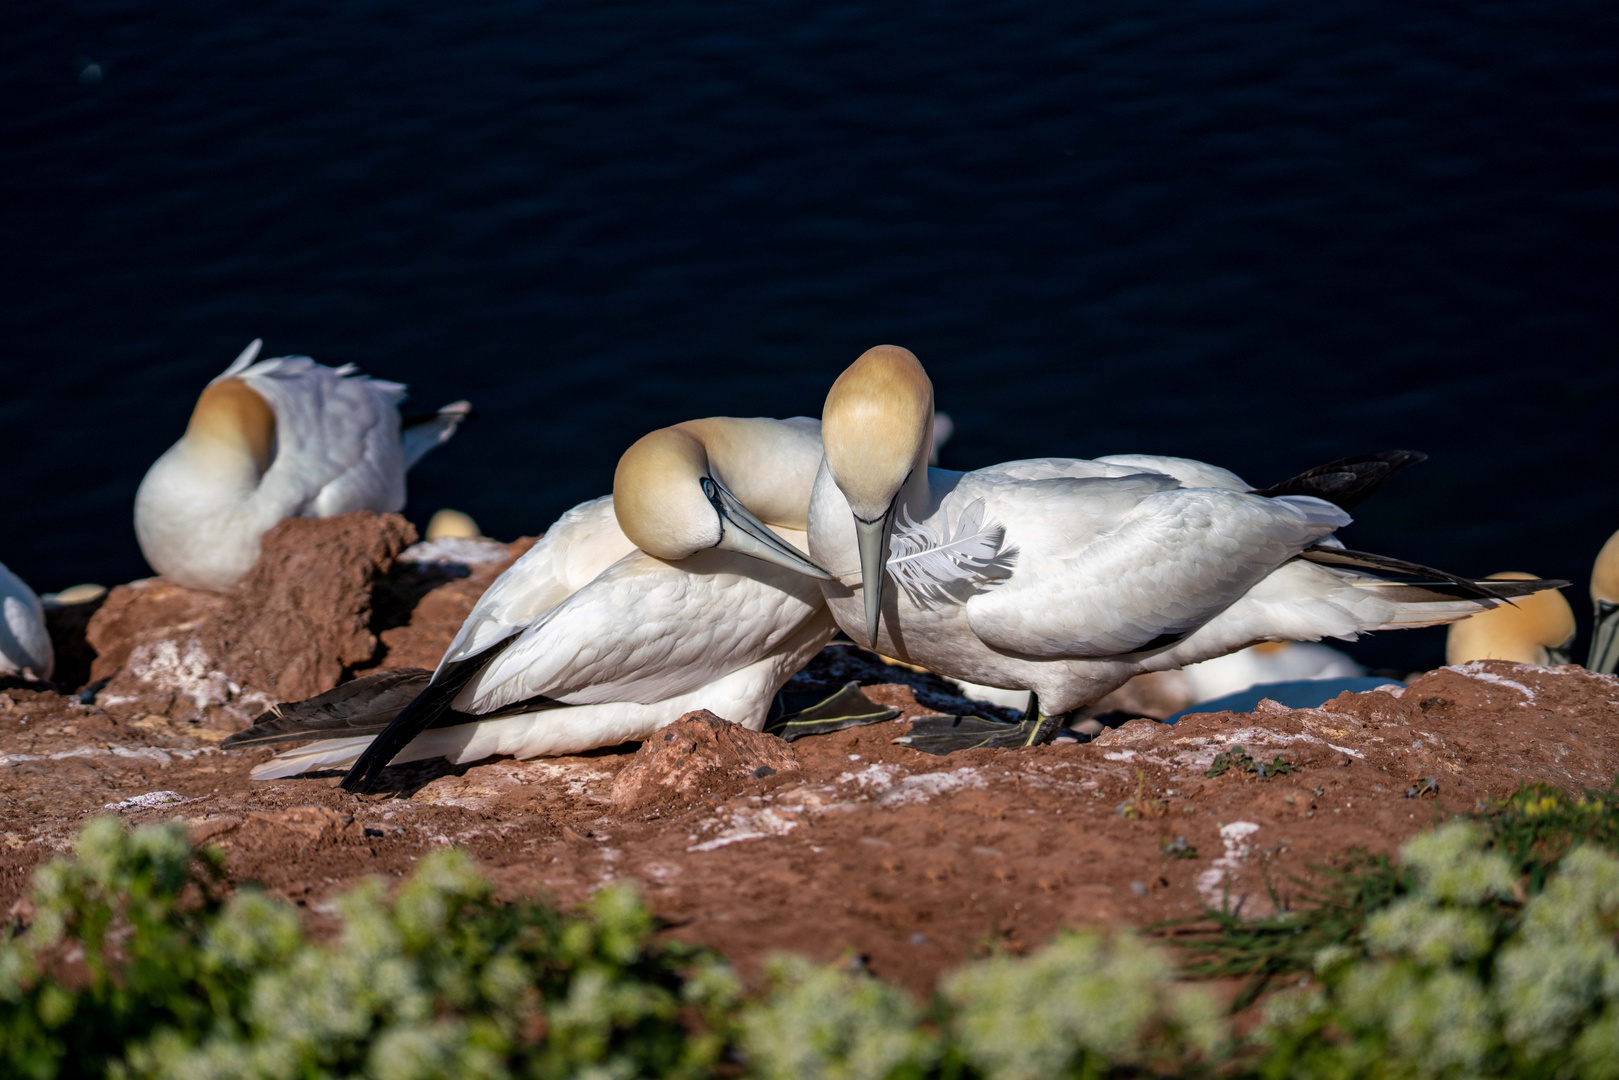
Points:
(1067, 577)
(1534, 629)
(450, 524)
(270, 440)
(25, 644)
(1605, 601)
(671, 594)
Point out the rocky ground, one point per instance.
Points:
(835, 845)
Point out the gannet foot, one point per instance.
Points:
(845, 709)
(947, 734)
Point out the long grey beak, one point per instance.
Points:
(1605, 639)
(873, 537)
(740, 531)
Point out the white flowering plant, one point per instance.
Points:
(1488, 948)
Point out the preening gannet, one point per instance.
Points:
(1068, 577)
(670, 595)
(1534, 629)
(1605, 600)
(25, 644)
(275, 439)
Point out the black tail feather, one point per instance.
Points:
(365, 706)
(1348, 481)
(428, 708)
(1436, 580)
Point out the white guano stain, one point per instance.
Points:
(1212, 883)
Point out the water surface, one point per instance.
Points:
(1261, 234)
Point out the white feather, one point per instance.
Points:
(244, 358)
(934, 569)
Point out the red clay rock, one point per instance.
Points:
(699, 754)
(421, 605)
(142, 611)
(303, 613)
(912, 861)
(287, 631)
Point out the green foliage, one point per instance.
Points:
(1082, 1006)
(1237, 758)
(133, 967)
(819, 1023)
(1488, 948)
(1259, 950)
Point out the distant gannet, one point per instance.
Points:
(450, 524)
(270, 440)
(25, 644)
(1068, 577)
(670, 595)
(1605, 599)
(1534, 629)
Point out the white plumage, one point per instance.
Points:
(1067, 577)
(618, 642)
(25, 644)
(279, 438)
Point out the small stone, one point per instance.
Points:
(763, 771)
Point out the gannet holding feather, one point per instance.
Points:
(279, 438)
(685, 589)
(1067, 577)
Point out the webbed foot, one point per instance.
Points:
(947, 734)
(847, 708)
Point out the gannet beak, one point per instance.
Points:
(1605, 639)
(741, 532)
(873, 537)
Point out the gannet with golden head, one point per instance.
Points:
(1068, 577)
(1534, 629)
(687, 588)
(280, 438)
(25, 643)
(1605, 601)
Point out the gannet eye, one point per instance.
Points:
(711, 490)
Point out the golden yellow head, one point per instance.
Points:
(1605, 574)
(671, 497)
(877, 427)
(232, 419)
(658, 498)
(1535, 629)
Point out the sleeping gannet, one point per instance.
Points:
(1068, 577)
(275, 439)
(1605, 600)
(1534, 629)
(671, 594)
(25, 644)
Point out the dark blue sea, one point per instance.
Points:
(1263, 234)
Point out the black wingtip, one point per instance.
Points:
(1347, 482)
(1501, 589)
(362, 706)
(422, 713)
